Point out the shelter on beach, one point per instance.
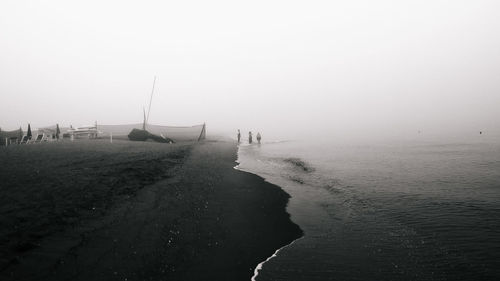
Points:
(8, 137)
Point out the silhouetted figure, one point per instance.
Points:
(258, 137)
(480, 133)
(249, 137)
(239, 136)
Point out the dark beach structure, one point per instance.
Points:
(143, 135)
(8, 137)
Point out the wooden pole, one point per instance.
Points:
(144, 122)
(203, 133)
(6, 142)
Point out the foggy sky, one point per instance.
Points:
(279, 67)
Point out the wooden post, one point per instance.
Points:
(203, 133)
(111, 137)
(6, 142)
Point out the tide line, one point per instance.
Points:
(260, 265)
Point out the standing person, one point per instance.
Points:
(239, 135)
(258, 137)
(249, 137)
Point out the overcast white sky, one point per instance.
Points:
(272, 66)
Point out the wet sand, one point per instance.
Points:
(91, 210)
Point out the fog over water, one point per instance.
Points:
(284, 68)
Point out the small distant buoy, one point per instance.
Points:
(480, 133)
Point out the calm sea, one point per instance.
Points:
(401, 210)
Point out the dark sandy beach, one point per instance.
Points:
(91, 210)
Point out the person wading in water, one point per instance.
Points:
(249, 137)
(239, 135)
(258, 137)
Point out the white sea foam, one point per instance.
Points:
(260, 265)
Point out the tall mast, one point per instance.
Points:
(144, 122)
(151, 98)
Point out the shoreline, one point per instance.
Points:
(205, 220)
(260, 266)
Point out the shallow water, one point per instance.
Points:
(401, 210)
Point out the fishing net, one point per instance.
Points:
(191, 133)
